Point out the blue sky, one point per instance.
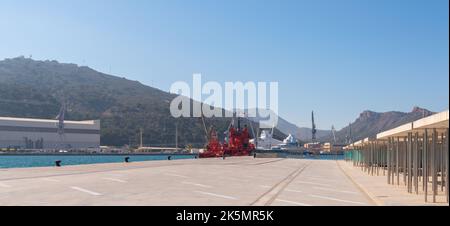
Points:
(337, 58)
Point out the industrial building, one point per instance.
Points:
(26, 133)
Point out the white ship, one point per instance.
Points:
(266, 141)
(290, 143)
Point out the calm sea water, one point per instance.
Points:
(22, 161)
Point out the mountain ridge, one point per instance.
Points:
(31, 88)
(370, 123)
(36, 89)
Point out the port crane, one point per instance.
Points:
(349, 138)
(333, 130)
(313, 128)
(60, 125)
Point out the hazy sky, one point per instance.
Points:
(337, 58)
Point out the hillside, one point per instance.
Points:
(36, 89)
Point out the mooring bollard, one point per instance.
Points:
(58, 163)
(127, 159)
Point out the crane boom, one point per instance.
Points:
(334, 133)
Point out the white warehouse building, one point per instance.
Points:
(26, 133)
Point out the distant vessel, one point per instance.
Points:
(290, 143)
(266, 141)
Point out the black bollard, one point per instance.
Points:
(58, 163)
(127, 159)
(254, 155)
(169, 157)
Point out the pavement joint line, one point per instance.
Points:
(85, 191)
(286, 167)
(335, 190)
(314, 183)
(338, 200)
(321, 179)
(292, 202)
(114, 179)
(268, 197)
(91, 172)
(237, 179)
(115, 175)
(217, 195)
(3, 185)
(251, 177)
(176, 175)
(196, 184)
(254, 164)
(262, 163)
(51, 180)
(369, 195)
(291, 190)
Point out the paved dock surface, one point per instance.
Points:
(240, 181)
(383, 194)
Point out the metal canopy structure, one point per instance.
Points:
(438, 121)
(414, 155)
(400, 131)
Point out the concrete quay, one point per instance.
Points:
(237, 181)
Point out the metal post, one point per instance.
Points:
(367, 158)
(425, 164)
(375, 149)
(397, 170)
(416, 163)
(408, 165)
(446, 163)
(419, 158)
(371, 158)
(392, 161)
(441, 161)
(405, 160)
(433, 165)
(388, 163)
(383, 158)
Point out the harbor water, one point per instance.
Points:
(24, 161)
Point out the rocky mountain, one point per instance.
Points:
(370, 123)
(36, 89)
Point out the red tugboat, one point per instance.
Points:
(237, 143)
(214, 148)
